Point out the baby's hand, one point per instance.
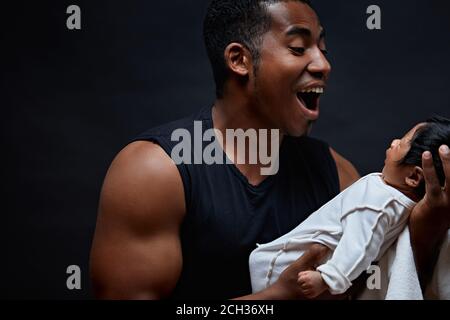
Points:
(311, 284)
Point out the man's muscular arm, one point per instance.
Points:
(136, 252)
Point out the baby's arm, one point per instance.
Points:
(363, 236)
(311, 283)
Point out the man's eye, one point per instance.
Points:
(324, 51)
(298, 50)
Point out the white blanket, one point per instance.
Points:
(399, 279)
(440, 284)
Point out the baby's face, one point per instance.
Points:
(393, 172)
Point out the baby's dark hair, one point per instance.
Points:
(429, 137)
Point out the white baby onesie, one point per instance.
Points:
(358, 225)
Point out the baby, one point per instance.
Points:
(360, 223)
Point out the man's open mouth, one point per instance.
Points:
(310, 97)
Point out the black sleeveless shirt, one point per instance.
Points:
(226, 216)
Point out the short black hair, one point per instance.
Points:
(429, 137)
(242, 21)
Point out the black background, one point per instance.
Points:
(70, 100)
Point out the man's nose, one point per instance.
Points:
(319, 67)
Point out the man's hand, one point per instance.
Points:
(430, 219)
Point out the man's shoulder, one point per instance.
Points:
(144, 158)
(346, 170)
(143, 176)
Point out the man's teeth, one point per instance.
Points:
(314, 90)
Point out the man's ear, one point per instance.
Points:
(415, 177)
(238, 59)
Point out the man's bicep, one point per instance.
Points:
(136, 251)
(126, 266)
(346, 171)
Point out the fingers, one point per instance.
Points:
(432, 185)
(444, 153)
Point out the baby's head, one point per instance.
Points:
(403, 164)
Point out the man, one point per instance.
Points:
(186, 231)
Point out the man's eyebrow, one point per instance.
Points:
(299, 31)
(303, 32)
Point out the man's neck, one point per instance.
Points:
(238, 114)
